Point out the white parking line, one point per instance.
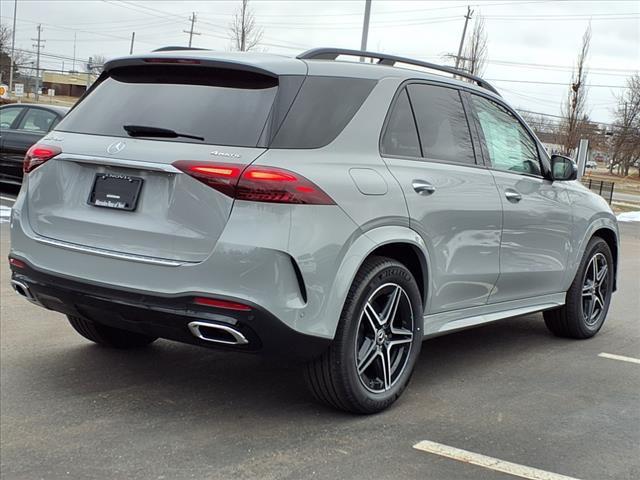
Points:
(12, 199)
(622, 358)
(488, 462)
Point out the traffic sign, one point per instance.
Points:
(19, 89)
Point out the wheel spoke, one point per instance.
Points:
(373, 316)
(602, 275)
(391, 307)
(592, 304)
(594, 268)
(366, 359)
(386, 368)
(586, 290)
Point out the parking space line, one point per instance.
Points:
(491, 463)
(12, 199)
(622, 358)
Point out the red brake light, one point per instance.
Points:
(14, 262)
(221, 176)
(182, 61)
(213, 302)
(256, 183)
(37, 155)
(275, 185)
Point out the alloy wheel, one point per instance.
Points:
(384, 338)
(595, 288)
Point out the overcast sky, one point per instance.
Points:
(529, 41)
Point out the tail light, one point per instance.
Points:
(14, 262)
(226, 304)
(37, 155)
(256, 183)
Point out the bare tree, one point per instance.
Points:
(574, 109)
(20, 57)
(626, 136)
(96, 62)
(245, 34)
(475, 53)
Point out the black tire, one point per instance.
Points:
(573, 320)
(334, 379)
(109, 336)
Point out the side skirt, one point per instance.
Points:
(448, 322)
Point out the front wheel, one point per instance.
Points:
(589, 296)
(377, 342)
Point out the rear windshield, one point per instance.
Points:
(225, 107)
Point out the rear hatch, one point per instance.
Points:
(114, 191)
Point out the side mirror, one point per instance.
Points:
(563, 169)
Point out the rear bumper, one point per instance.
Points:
(166, 316)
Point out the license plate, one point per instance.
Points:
(119, 192)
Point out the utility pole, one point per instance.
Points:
(467, 17)
(73, 67)
(191, 33)
(365, 26)
(133, 37)
(13, 46)
(38, 45)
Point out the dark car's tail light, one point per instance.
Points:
(256, 183)
(37, 155)
(226, 304)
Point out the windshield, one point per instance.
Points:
(224, 107)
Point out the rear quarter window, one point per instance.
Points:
(323, 107)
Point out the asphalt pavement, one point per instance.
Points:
(509, 390)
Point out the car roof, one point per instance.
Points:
(54, 108)
(274, 64)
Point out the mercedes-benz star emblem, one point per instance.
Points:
(116, 147)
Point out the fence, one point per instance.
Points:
(601, 187)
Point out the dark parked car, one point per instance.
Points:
(22, 125)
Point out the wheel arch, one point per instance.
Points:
(610, 236)
(397, 242)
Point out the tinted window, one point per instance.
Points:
(510, 146)
(401, 137)
(8, 115)
(225, 107)
(38, 120)
(442, 124)
(321, 110)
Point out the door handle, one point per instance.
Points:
(512, 195)
(422, 187)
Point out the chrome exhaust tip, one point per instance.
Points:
(22, 289)
(216, 333)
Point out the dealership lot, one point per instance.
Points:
(508, 390)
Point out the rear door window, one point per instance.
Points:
(401, 136)
(225, 107)
(37, 120)
(442, 124)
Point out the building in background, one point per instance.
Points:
(72, 84)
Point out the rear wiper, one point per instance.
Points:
(144, 131)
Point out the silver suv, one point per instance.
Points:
(332, 212)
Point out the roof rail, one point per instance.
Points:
(390, 60)
(173, 48)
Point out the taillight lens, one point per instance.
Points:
(37, 155)
(226, 304)
(256, 183)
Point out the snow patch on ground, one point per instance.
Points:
(629, 217)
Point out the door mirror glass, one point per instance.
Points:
(563, 168)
